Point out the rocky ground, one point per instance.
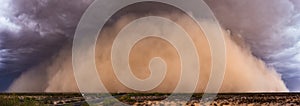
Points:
(153, 99)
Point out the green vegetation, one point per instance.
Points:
(7, 102)
(15, 101)
(109, 101)
(42, 99)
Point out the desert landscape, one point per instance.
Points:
(149, 99)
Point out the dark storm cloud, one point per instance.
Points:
(33, 31)
(51, 16)
(19, 53)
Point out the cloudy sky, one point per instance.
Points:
(34, 31)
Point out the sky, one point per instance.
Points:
(33, 32)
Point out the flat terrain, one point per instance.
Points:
(76, 99)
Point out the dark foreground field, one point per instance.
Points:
(76, 99)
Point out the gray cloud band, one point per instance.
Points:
(100, 11)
